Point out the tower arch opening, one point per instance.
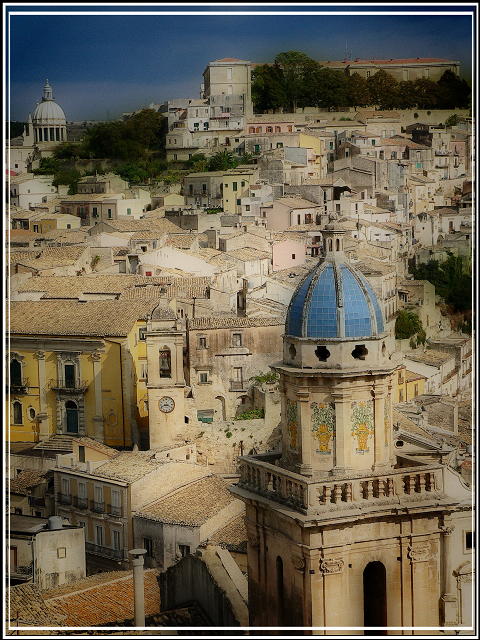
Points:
(375, 599)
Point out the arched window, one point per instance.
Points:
(71, 411)
(15, 373)
(375, 599)
(17, 413)
(338, 244)
(165, 363)
(330, 245)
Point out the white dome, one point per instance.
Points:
(48, 113)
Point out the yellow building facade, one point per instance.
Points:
(408, 386)
(72, 381)
(236, 185)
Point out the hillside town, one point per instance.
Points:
(244, 380)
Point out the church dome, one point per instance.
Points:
(334, 301)
(48, 112)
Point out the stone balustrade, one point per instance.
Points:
(309, 495)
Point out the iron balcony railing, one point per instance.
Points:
(80, 503)
(237, 385)
(36, 502)
(68, 386)
(106, 552)
(64, 498)
(98, 507)
(19, 386)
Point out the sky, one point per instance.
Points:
(103, 65)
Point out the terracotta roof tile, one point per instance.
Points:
(25, 480)
(232, 322)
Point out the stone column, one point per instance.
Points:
(42, 416)
(305, 435)
(449, 587)
(343, 445)
(179, 375)
(380, 461)
(97, 378)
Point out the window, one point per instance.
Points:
(109, 214)
(142, 332)
(165, 363)
(203, 377)
(94, 212)
(204, 188)
(99, 535)
(400, 397)
(129, 211)
(69, 226)
(81, 453)
(237, 340)
(116, 539)
(202, 342)
(148, 546)
(17, 413)
(98, 496)
(71, 414)
(415, 390)
(239, 202)
(18, 511)
(368, 74)
(293, 256)
(35, 228)
(184, 550)
(65, 486)
(15, 373)
(69, 376)
(235, 185)
(116, 502)
(143, 371)
(469, 540)
(82, 523)
(31, 413)
(82, 488)
(148, 273)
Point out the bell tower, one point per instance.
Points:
(342, 530)
(166, 380)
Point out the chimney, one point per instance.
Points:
(138, 586)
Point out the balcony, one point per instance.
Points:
(237, 385)
(97, 507)
(63, 498)
(313, 496)
(19, 387)
(80, 503)
(105, 552)
(36, 502)
(68, 386)
(113, 510)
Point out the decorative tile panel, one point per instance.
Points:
(362, 424)
(292, 424)
(323, 426)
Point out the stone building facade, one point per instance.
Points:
(342, 532)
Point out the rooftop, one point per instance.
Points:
(192, 505)
(24, 481)
(233, 536)
(69, 318)
(430, 357)
(232, 322)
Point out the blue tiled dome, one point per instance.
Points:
(334, 301)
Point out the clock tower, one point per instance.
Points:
(166, 380)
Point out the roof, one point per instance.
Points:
(296, 203)
(401, 141)
(247, 253)
(103, 599)
(24, 481)
(233, 536)
(70, 318)
(232, 322)
(49, 257)
(129, 466)
(98, 446)
(231, 60)
(391, 61)
(192, 505)
(334, 301)
(430, 357)
(26, 524)
(157, 225)
(28, 607)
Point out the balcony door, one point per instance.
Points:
(70, 376)
(71, 410)
(375, 599)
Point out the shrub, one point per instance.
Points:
(253, 414)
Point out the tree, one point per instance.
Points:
(426, 93)
(452, 280)
(222, 160)
(406, 95)
(67, 176)
(67, 151)
(296, 69)
(325, 88)
(383, 90)
(16, 128)
(407, 324)
(453, 92)
(268, 88)
(452, 121)
(357, 91)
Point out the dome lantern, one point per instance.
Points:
(48, 119)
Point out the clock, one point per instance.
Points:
(166, 404)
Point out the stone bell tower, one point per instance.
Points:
(166, 380)
(342, 531)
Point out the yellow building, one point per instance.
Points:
(409, 385)
(78, 368)
(236, 185)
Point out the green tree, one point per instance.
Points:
(357, 91)
(67, 151)
(223, 160)
(383, 90)
(16, 128)
(406, 95)
(325, 88)
(453, 92)
(426, 93)
(452, 280)
(407, 324)
(268, 88)
(67, 176)
(296, 69)
(452, 121)
(47, 166)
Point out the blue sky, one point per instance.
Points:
(100, 66)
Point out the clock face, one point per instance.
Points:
(166, 404)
